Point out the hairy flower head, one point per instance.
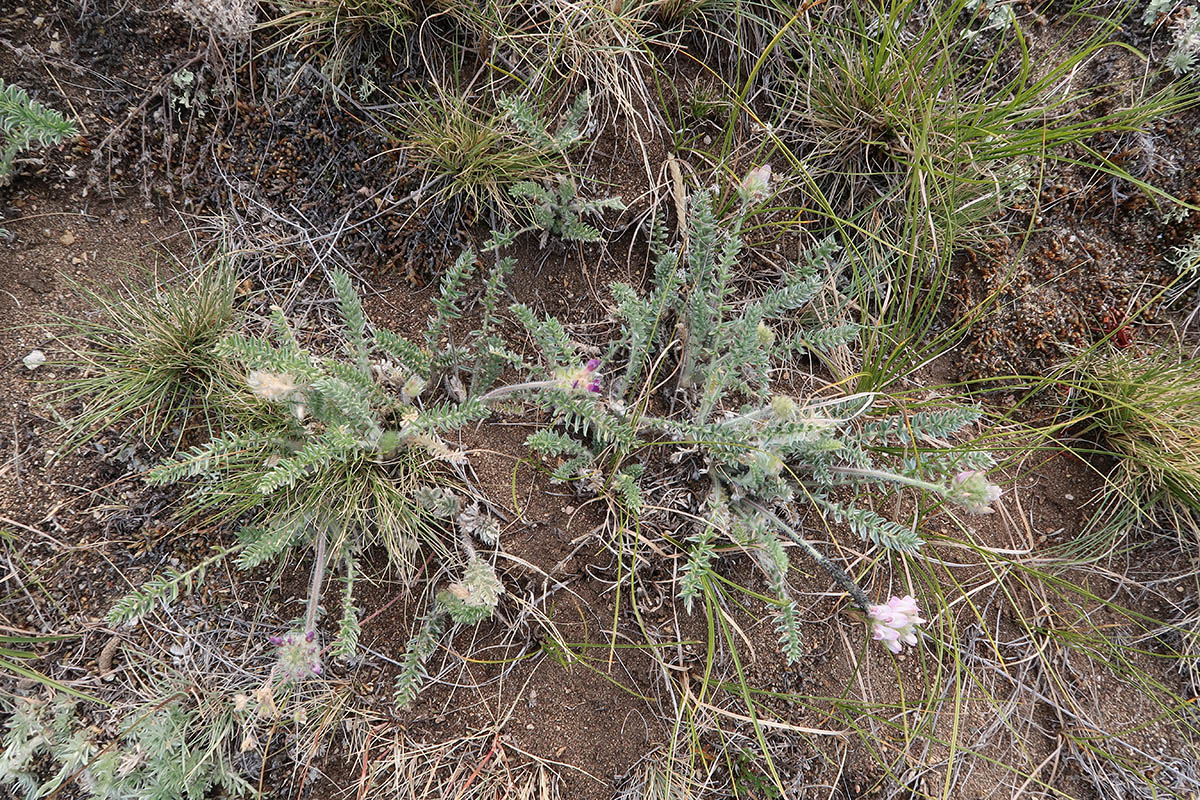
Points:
(784, 407)
(298, 654)
(273, 386)
(413, 387)
(972, 490)
(895, 623)
(757, 184)
(582, 378)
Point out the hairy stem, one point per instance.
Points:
(838, 574)
(891, 477)
(318, 577)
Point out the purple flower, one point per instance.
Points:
(584, 377)
(895, 623)
(299, 654)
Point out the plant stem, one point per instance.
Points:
(891, 477)
(839, 575)
(318, 576)
(501, 391)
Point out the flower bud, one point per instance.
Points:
(972, 490)
(756, 185)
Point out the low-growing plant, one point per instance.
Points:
(1183, 21)
(143, 360)
(339, 451)
(25, 122)
(1186, 260)
(165, 750)
(468, 601)
(559, 210)
(690, 376)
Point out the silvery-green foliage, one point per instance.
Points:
(317, 413)
(1186, 260)
(1184, 25)
(437, 501)
(163, 751)
(558, 210)
(162, 589)
(475, 521)
(711, 356)
(474, 598)
(469, 601)
(25, 122)
(357, 410)
(525, 118)
(1185, 47)
(349, 627)
(420, 647)
(1155, 8)
(989, 15)
(334, 436)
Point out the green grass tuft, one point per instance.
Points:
(143, 360)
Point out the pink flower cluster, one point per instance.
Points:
(584, 377)
(895, 624)
(299, 654)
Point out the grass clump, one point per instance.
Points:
(479, 157)
(894, 115)
(144, 359)
(344, 34)
(563, 49)
(1146, 410)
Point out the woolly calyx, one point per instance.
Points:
(273, 386)
(972, 490)
(756, 185)
(584, 377)
(413, 387)
(298, 654)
